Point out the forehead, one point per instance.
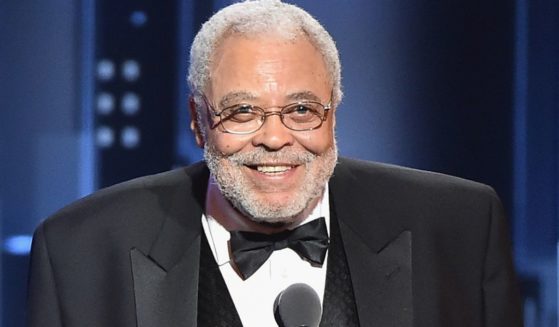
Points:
(266, 65)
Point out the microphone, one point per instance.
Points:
(298, 306)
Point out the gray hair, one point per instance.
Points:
(257, 17)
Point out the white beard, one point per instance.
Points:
(233, 184)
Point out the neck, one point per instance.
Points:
(220, 209)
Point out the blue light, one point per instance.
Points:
(138, 18)
(105, 70)
(130, 70)
(130, 137)
(105, 103)
(18, 244)
(104, 137)
(130, 103)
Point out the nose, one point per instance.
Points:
(273, 135)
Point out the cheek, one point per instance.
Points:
(228, 143)
(317, 141)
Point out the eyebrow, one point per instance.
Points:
(304, 95)
(233, 98)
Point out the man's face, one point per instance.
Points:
(275, 173)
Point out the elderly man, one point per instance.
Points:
(213, 244)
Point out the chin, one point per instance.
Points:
(278, 212)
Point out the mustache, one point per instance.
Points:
(262, 156)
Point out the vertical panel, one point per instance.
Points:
(88, 171)
(537, 157)
(192, 15)
(39, 129)
(520, 128)
(135, 91)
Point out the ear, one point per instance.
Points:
(194, 123)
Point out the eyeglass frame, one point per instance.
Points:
(265, 114)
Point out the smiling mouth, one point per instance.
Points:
(271, 170)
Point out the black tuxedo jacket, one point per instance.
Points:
(423, 249)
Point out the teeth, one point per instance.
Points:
(272, 169)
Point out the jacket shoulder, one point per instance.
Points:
(133, 209)
(398, 177)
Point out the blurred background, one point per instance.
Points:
(93, 92)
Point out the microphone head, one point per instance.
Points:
(298, 306)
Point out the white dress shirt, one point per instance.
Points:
(255, 296)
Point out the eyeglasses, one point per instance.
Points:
(245, 118)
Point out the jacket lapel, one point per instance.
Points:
(378, 248)
(381, 281)
(166, 278)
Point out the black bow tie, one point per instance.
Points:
(250, 250)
